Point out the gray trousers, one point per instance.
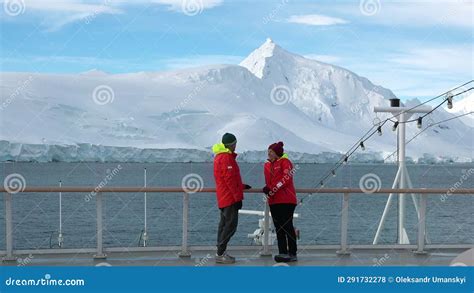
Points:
(227, 227)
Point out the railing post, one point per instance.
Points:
(422, 226)
(100, 249)
(9, 228)
(266, 231)
(344, 225)
(184, 242)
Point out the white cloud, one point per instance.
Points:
(416, 13)
(189, 6)
(121, 64)
(200, 60)
(417, 72)
(315, 19)
(58, 13)
(452, 59)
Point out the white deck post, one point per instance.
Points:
(9, 228)
(422, 226)
(266, 231)
(145, 234)
(184, 242)
(60, 235)
(100, 249)
(344, 225)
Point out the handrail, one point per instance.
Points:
(40, 189)
(100, 251)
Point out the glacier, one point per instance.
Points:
(319, 110)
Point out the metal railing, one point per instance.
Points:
(343, 247)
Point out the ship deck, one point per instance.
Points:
(247, 257)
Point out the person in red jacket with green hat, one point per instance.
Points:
(229, 192)
(282, 200)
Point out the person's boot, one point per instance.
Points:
(281, 257)
(292, 258)
(225, 259)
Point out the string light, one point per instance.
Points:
(449, 98)
(450, 101)
(419, 122)
(395, 125)
(379, 130)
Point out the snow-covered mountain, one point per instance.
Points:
(314, 107)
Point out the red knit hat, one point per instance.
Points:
(277, 148)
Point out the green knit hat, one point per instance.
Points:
(229, 139)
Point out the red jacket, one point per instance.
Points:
(229, 186)
(279, 178)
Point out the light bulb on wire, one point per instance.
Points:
(395, 125)
(379, 130)
(450, 101)
(419, 122)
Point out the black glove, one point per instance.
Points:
(246, 186)
(238, 205)
(266, 190)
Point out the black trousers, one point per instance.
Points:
(227, 227)
(282, 215)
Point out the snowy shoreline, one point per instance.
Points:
(85, 152)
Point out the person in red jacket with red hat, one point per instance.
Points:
(229, 192)
(281, 194)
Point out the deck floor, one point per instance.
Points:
(314, 257)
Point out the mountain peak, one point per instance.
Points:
(257, 60)
(269, 44)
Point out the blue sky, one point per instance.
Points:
(415, 48)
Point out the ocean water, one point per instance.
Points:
(450, 219)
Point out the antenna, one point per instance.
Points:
(402, 179)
